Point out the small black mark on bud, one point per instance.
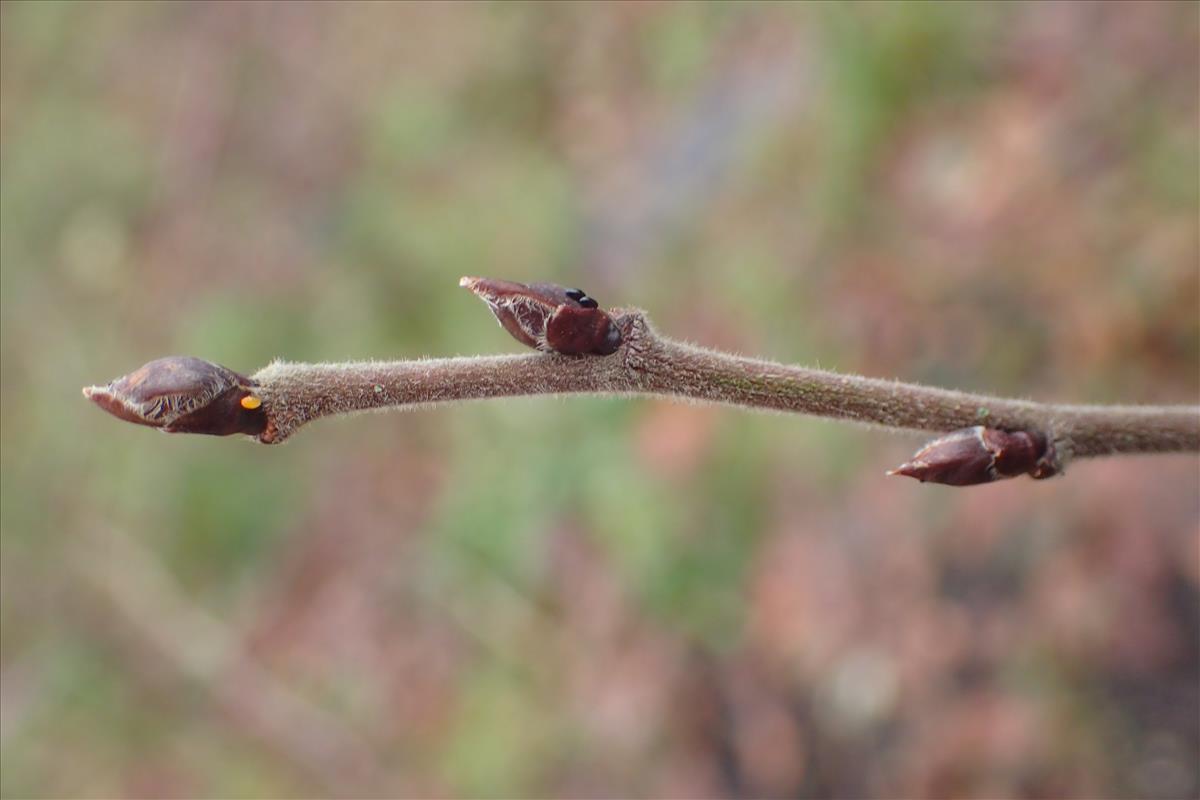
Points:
(580, 296)
(549, 317)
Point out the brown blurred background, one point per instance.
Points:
(596, 597)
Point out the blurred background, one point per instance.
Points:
(594, 597)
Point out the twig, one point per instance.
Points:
(591, 351)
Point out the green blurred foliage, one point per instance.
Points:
(594, 596)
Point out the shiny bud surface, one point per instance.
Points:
(549, 317)
(183, 394)
(971, 456)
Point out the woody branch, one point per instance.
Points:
(587, 350)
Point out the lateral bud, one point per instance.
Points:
(971, 456)
(549, 317)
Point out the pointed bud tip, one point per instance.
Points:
(468, 282)
(117, 405)
(909, 469)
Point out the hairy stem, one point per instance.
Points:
(588, 350)
(649, 364)
(294, 394)
(680, 369)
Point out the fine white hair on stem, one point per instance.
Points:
(650, 364)
(1026, 437)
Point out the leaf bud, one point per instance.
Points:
(971, 456)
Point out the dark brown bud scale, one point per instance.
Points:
(182, 394)
(971, 456)
(549, 317)
(582, 330)
(1017, 453)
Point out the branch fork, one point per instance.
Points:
(584, 349)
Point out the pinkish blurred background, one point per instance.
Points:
(596, 597)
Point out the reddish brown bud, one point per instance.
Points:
(181, 394)
(981, 455)
(549, 317)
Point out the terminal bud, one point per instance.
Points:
(182, 394)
